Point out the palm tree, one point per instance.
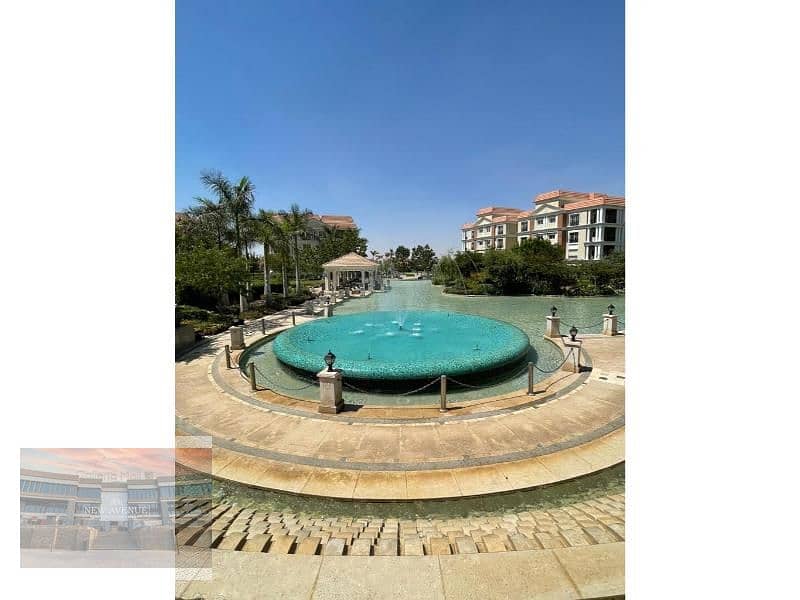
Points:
(295, 222)
(269, 232)
(237, 201)
(375, 254)
(213, 212)
(283, 250)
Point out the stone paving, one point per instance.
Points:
(227, 527)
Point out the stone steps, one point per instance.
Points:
(597, 521)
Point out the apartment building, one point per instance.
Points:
(494, 227)
(589, 226)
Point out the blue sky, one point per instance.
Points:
(406, 115)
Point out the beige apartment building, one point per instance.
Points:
(589, 226)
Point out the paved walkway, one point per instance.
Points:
(588, 572)
(570, 552)
(262, 439)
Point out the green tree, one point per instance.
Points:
(212, 215)
(210, 271)
(337, 242)
(401, 257)
(237, 201)
(269, 231)
(295, 223)
(422, 258)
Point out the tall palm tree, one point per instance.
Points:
(295, 222)
(269, 232)
(237, 200)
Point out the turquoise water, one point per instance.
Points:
(526, 312)
(403, 345)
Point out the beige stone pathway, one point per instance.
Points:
(574, 428)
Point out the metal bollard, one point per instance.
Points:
(293, 323)
(443, 393)
(263, 327)
(252, 368)
(530, 379)
(227, 356)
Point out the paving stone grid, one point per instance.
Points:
(201, 524)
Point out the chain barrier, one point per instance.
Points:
(520, 371)
(419, 389)
(565, 322)
(535, 366)
(354, 388)
(582, 326)
(283, 387)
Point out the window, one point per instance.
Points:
(523, 226)
(593, 216)
(499, 230)
(609, 234)
(592, 233)
(89, 493)
(50, 489)
(34, 506)
(135, 494)
(472, 246)
(540, 221)
(524, 238)
(551, 236)
(499, 244)
(611, 215)
(574, 219)
(590, 252)
(573, 237)
(551, 219)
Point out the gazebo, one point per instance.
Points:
(344, 269)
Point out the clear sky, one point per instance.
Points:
(408, 116)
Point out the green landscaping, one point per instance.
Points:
(535, 267)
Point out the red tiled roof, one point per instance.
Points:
(501, 210)
(340, 221)
(570, 197)
(599, 201)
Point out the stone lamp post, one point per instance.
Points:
(330, 387)
(610, 322)
(551, 329)
(573, 364)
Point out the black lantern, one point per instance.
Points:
(330, 358)
(611, 309)
(553, 311)
(573, 331)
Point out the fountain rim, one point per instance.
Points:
(511, 351)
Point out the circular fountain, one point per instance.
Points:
(397, 346)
